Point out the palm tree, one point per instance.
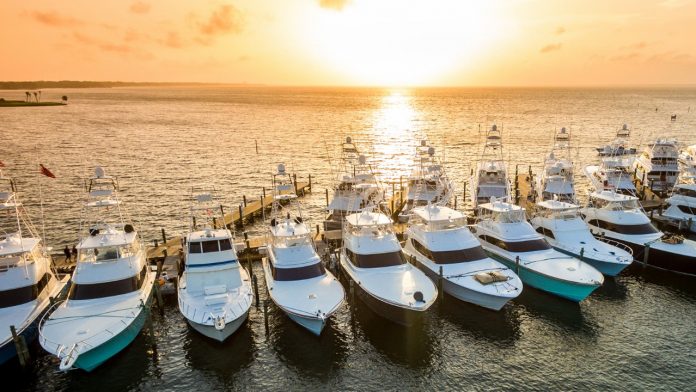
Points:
(65, 99)
(39, 95)
(28, 95)
(36, 96)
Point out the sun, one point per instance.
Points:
(401, 43)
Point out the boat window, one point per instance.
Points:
(544, 231)
(518, 246)
(225, 244)
(687, 209)
(299, 273)
(105, 253)
(22, 295)
(195, 247)
(685, 192)
(377, 260)
(459, 255)
(107, 289)
(210, 246)
(644, 228)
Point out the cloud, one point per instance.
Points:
(560, 30)
(173, 40)
(226, 19)
(52, 18)
(111, 47)
(139, 7)
(333, 4)
(624, 57)
(550, 48)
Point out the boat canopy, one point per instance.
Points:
(367, 218)
(13, 244)
(502, 212)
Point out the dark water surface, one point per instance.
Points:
(635, 332)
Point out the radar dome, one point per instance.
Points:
(281, 168)
(99, 172)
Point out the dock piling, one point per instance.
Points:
(265, 315)
(326, 193)
(241, 216)
(294, 181)
(309, 186)
(255, 280)
(517, 265)
(164, 236)
(21, 347)
(440, 294)
(244, 200)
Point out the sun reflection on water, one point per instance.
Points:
(395, 131)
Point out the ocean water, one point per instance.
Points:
(636, 332)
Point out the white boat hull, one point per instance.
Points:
(219, 335)
(313, 324)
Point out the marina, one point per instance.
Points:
(168, 351)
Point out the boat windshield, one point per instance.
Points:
(685, 192)
(22, 295)
(291, 241)
(376, 230)
(616, 205)
(510, 216)
(209, 246)
(455, 223)
(450, 256)
(376, 260)
(298, 273)
(108, 253)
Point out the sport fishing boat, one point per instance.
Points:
(657, 167)
(356, 186)
(507, 236)
(28, 283)
(372, 258)
(687, 161)
(620, 218)
(681, 206)
(563, 228)
(618, 146)
(613, 173)
(111, 290)
(296, 279)
(440, 244)
(428, 184)
(556, 179)
(214, 290)
(491, 177)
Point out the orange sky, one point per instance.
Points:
(352, 42)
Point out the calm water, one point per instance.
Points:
(636, 332)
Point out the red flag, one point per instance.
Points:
(46, 172)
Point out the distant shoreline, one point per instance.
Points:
(42, 84)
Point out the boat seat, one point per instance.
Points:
(218, 289)
(215, 299)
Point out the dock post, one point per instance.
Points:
(310, 182)
(401, 190)
(156, 243)
(294, 180)
(317, 229)
(164, 237)
(646, 255)
(263, 192)
(255, 280)
(517, 266)
(158, 293)
(256, 144)
(214, 223)
(440, 293)
(194, 222)
(244, 200)
(464, 193)
(21, 347)
(241, 217)
(455, 202)
(222, 212)
(326, 192)
(265, 315)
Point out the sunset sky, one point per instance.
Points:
(352, 42)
